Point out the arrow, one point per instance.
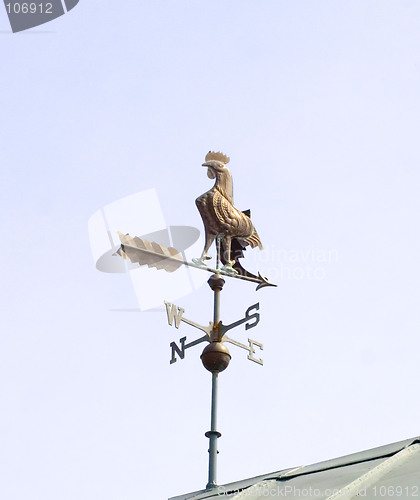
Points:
(158, 256)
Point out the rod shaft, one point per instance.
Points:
(216, 307)
(213, 435)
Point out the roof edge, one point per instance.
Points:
(285, 474)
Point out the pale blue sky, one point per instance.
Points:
(317, 104)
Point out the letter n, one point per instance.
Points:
(177, 350)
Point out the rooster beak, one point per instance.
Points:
(205, 165)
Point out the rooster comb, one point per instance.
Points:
(211, 155)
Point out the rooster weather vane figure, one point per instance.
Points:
(222, 221)
(233, 231)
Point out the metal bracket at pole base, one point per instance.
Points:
(213, 452)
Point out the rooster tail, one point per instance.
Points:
(254, 240)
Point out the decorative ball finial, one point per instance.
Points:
(215, 357)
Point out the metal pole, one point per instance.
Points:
(213, 434)
(216, 284)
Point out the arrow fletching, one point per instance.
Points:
(152, 254)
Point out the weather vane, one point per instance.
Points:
(232, 231)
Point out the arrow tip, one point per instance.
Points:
(263, 282)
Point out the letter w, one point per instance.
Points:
(174, 312)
